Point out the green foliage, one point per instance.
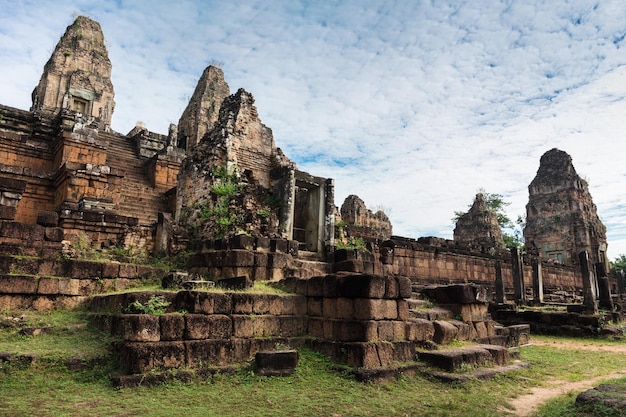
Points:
(264, 213)
(155, 305)
(353, 243)
(619, 263)
(225, 189)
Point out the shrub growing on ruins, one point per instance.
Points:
(155, 305)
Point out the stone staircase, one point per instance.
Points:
(458, 314)
(139, 198)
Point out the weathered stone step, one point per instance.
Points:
(417, 304)
(432, 314)
(455, 360)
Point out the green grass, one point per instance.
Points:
(48, 388)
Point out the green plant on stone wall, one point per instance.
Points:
(352, 243)
(155, 305)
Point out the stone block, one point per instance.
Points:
(361, 286)
(139, 327)
(469, 312)
(465, 331)
(277, 260)
(278, 305)
(140, 357)
(110, 270)
(457, 294)
(172, 326)
(48, 286)
(279, 245)
(315, 327)
(314, 306)
(235, 283)
(346, 255)
(419, 330)
(301, 286)
(7, 212)
(315, 286)
(345, 308)
(404, 287)
(386, 331)
(375, 309)
(208, 353)
(24, 232)
(18, 284)
(53, 234)
(243, 326)
(403, 310)
(48, 218)
(242, 242)
(518, 334)
(242, 303)
(266, 326)
(330, 288)
(128, 271)
(293, 247)
(93, 216)
(85, 269)
(292, 326)
(238, 258)
(262, 244)
(329, 308)
(445, 332)
(353, 265)
(201, 302)
(69, 287)
(203, 326)
(481, 329)
(260, 304)
(276, 363)
(260, 274)
(260, 259)
(392, 289)
(355, 330)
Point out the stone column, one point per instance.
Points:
(604, 287)
(500, 294)
(537, 282)
(589, 292)
(621, 284)
(518, 276)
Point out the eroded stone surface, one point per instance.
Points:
(561, 218)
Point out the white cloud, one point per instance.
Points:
(410, 105)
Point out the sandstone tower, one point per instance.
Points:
(479, 226)
(203, 109)
(561, 218)
(361, 222)
(77, 76)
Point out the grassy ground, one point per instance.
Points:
(49, 388)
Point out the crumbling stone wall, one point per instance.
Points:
(360, 222)
(440, 261)
(224, 186)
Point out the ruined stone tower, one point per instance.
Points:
(561, 218)
(361, 222)
(203, 109)
(479, 226)
(77, 76)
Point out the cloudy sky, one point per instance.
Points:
(412, 105)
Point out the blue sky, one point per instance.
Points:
(412, 105)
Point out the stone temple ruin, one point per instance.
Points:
(217, 192)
